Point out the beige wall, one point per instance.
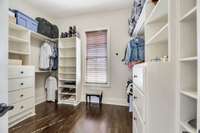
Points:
(117, 22)
(28, 10)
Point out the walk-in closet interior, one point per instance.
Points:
(109, 66)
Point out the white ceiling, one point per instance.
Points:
(66, 8)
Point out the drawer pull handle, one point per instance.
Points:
(135, 76)
(22, 107)
(135, 119)
(22, 72)
(22, 83)
(135, 97)
(21, 95)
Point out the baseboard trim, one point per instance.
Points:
(111, 101)
(39, 100)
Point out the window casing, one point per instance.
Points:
(97, 57)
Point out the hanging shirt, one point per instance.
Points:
(51, 86)
(45, 54)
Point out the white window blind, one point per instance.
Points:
(97, 57)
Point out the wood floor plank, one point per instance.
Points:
(53, 118)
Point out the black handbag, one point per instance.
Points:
(44, 27)
(54, 31)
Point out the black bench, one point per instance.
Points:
(94, 93)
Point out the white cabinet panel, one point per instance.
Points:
(138, 76)
(139, 102)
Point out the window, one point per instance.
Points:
(97, 57)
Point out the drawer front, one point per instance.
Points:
(20, 95)
(15, 84)
(139, 101)
(139, 125)
(21, 107)
(26, 71)
(13, 72)
(26, 93)
(14, 111)
(20, 71)
(26, 83)
(138, 77)
(26, 104)
(13, 97)
(134, 124)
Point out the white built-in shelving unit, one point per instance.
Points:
(19, 43)
(69, 71)
(157, 31)
(25, 45)
(154, 106)
(187, 65)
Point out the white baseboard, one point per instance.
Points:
(112, 101)
(39, 100)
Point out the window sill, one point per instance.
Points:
(107, 85)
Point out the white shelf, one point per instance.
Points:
(160, 36)
(39, 71)
(187, 127)
(190, 15)
(17, 27)
(139, 28)
(191, 94)
(62, 79)
(67, 86)
(16, 39)
(67, 47)
(18, 52)
(65, 93)
(189, 59)
(67, 57)
(67, 66)
(67, 73)
(160, 12)
(41, 37)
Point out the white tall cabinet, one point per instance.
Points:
(69, 74)
(26, 80)
(188, 65)
(155, 80)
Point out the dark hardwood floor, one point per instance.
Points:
(52, 118)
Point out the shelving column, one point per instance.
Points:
(69, 70)
(187, 65)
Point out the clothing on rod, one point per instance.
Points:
(134, 52)
(51, 86)
(49, 56)
(45, 54)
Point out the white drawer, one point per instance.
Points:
(15, 84)
(14, 111)
(26, 93)
(139, 102)
(134, 124)
(20, 95)
(26, 71)
(20, 71)
(138, 124)
(13, 97)
(138, 76)
(26, 104)
(21, 107)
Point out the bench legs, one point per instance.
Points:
(89, 96)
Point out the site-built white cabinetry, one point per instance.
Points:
(155, 80)
(188, 65)
(26, 81)
(21, 93)
(69, 73)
